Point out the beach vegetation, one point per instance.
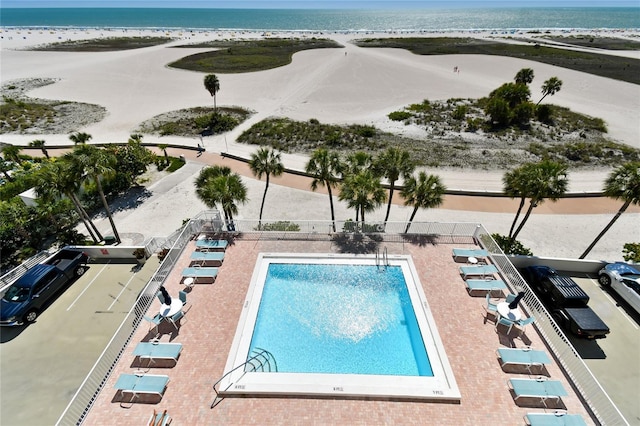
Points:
(280, 226)
(106, 44)
(631, 252)
(240, 56)
(23, 115)
(604, 65)
(607, 43)
(623, 184)
(17, 115)
(399, 115)
(193, 122)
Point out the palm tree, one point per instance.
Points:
(212, 84)
(363, 192)
(163, 147)
(217, 184)
(56, 179)
(97, 163)
(515, 185)
(5, 168)
(550, 87)
(39, 143)
(11, 153)
(80, 137)
(265, 162)
(546, 179)
(424, 192)
(524, 76)
(622, 184)
(392, 164)
(325, 167)
(356, 162)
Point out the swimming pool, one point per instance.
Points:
(339, 325)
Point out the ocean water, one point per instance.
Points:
(327, 19)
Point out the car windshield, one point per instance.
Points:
(16, 294)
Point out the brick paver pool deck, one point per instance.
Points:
(210, 325)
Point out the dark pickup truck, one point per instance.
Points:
(566, 301)
(23, 301)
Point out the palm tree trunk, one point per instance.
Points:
(515, 219)
(81, 214)
(106, 207)
(85, 215)
(264, 196)
(524, 220)
(606, 228)
(391, 188)
(413, 214)
(333, 215)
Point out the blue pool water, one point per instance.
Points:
(339, 319)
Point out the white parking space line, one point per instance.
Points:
(87, 287)
(117, 298)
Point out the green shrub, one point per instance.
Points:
(544, 113)
(509, 246)
(279, 226)
(460, 112)
(523, 113)
(400, 115)
(631, 252)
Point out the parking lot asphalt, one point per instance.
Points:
(43, 364)
(614, 360)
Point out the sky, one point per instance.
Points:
(317, 4)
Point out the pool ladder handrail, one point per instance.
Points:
(262, 356)
(385, 258)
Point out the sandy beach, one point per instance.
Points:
(351, 85)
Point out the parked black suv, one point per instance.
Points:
(566, 301)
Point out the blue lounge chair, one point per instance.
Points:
(485, 286)
(200, 274)
(527, 357)
(206, 258)
(539, 389)
(156, 350)
(554, 419)
(142, 384)
(477, 270)
(211, 245)
(461, 254)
